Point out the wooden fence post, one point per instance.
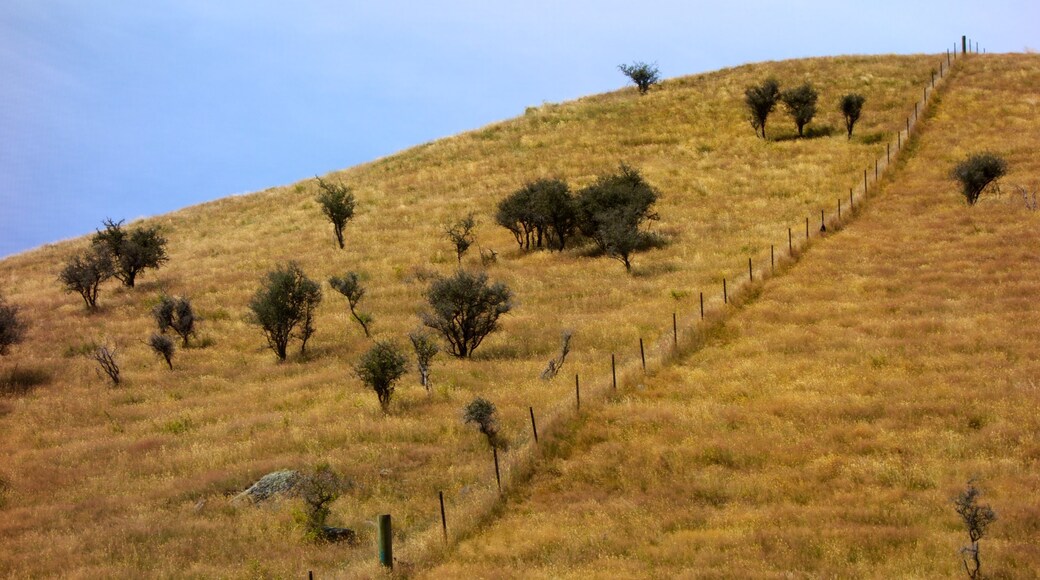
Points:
(823, 223)
(613, 371)
(577, 393)
(807, 228)
(851, 207)
(790, 243)
(498, 476)
(725, 295)
(888, 153)
(444, 520)
(675, 330)
(839, 209)
(772, 259)
(864, 182)
(702, 305)
(386, 541)
(534, 426)
(750, 272)
(642, 353)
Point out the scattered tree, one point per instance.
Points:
(554, 211)
(350, 286)
(851, 106)
(85, 272)
(976, 519)
(337, 203)
(612, 211)
(465, 309)
(460, 234)
(380, 368)
(555, 364)
(176, 314)
(760, 101)
(642, 74)
(285, 301)
(482, 413)
(425, 349)
(801, 104)
(133, 251)
(318, 489)
(516, 215)
(978, 171)
(163, 346)
(105, 356)
(12, 327)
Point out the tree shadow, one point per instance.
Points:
(814, 132)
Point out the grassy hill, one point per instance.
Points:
(110, 481)
(826, 428)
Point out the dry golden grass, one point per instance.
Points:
(825, 429)
(105, 481)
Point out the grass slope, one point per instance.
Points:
(115, 481)
(825, 429)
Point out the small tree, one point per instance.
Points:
(318, 489)
(801, 104)
(613, 210)
(133, 251)
(553, 210)
(976, 172)
(337, 203)
(105, 357)
(851, 106)
(85, 272)
(976, 519)
(12, 327)
(482, 413)
(286, 299)
(163, 346)
(760, 101)
(460, 233)
(176, 314)
(465, 309)
(516, 214)
(380, 368)
(350, 286)
(556, 363)
(642, 74)
(425, 349)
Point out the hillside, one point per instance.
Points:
(113, 481)
(826, 428)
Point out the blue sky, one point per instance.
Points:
(124, 109)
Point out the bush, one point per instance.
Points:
(976, 519)
(176, 314)
(425, 350)
(132, 252)
(851, 106)
(12, 327)
(284, 307)
(801, 104)
(163, 346)
(318, 489)
(978, 171)
(482, 413)
(465, 309)
(380, 368)
(613, 210)
(350, 286)
(543, 208)
(642, 74)
(85, 272)
(760, 101)
(460, 234)
(337, 203)
(105, 357)
(20, 381)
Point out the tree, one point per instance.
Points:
(642, 74)
(350, 286)
(760, 101)
(12, 327)
(613, 210)
(380, 368)
(425, 350)
(318, 489)
(163, 346)
(85, 272)
(976, 519)
(460, 234)
(176, 314)
(465, 309)
(337, 203)
(543, 208)
(105, 357)
(482, 413)
(801, 104)
(851, 106)
(285, 301)
(978, 171)
(133, 251)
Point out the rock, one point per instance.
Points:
(331, 534)
(282, 483)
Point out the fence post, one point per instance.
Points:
(839, 209)
(642, 353)
(725, 295)
(386, 541)
(577, 393)
(899, 140)
(888, 153)
(534, 427)
(823, 223)
(807, 228)
(750, 272)
(790, 243)
(908, 127)
(964, 44)
(444, 520)
(702, 305)
(851, 207)
(675, 331)
(498, 476)
(613, 371)
(772, 259)
(875, 169)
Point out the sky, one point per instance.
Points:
(124, 109)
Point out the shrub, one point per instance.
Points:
(460, 234)
(556, 363)
(163, 346)
(760, 101)
(337, 203)
(465, 309)
(133, 251)
(20, 381)
(543, 208)
(425, 350)
(482, 413)
(105, 357)
(85, 272)
(515, 213)
(12, 327)
(380, 368)
(851, 106)
(176, 314)
(318, 489)
(642, 74)
(284, 306)
(613, 210)
(976, 519)
(350, 286)
(801, 104)
(978, 171)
